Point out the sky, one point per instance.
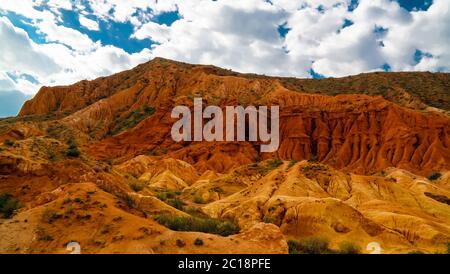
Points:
(59, 42)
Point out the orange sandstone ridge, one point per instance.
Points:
(356, 132)
(352, 163)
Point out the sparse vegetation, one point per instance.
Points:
(8, 205)
(170, 198)
(416, 252)
(42, 235)
(52, 156)
(198, 199)
(274, 163)
(68, 210)
(50, 215)
(136, 185)
(176, 203)
(291, 163)
(206, 225)
(73, 150)
(270, 165)
(271, 220)
(311, 245)
(349, 248)
(434, 176)
(133, 118)
(129, 201)
(8, 143)
(105, 229)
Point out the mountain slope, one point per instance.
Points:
(352, 164)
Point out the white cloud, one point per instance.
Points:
(19, 53)
(241, 35)
(156, 32)
(64, 35)
(6, 83)
(89, 23)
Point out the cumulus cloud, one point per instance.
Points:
(19, 53)
(156, 32)
(89, 23)
(67, 56)
(330, 37)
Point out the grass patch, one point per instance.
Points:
(292, 163)
(42, 235)
(136, 185)
(52, 156)
(50, 215)
(416, 252)
(198, 199)
(270, 165)
(8, 205)
(8, 143)
(349, 248)
(170, 197)
(206, 225)
(311, 245)
(134, 118)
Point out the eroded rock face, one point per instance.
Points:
(307, 200)
(350, 167)
(362, 134)
(356, 132)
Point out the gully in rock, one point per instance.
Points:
(258, 127)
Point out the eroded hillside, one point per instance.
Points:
(361, 159)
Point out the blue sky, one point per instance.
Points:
(58, 42)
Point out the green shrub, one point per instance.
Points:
(137, 185)
(42, 235)
(133, 118)
(292, 245)
(170, 198)
(270, 165)
(206, 225)
(198, 199)
(349, 248)
(198, 241)
(416, 252)
(129, 201)
(311, 245)
(176, 203)
(271, 220)
(434, 176)
(52, 156)
(8, 205)
(73, 150)
(292, 163)
(8, 142)
(274, 163)
(163, 195)
(50, 215)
